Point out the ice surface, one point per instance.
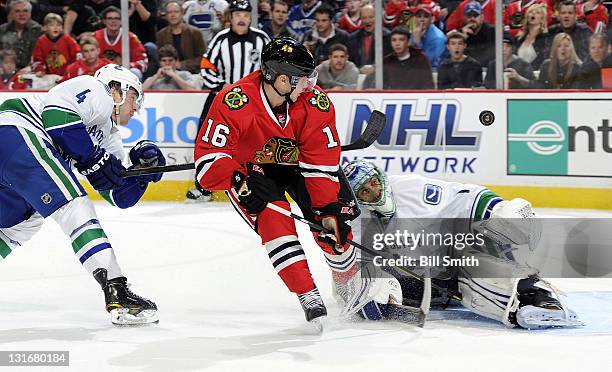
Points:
(222, 307)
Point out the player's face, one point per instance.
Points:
(112, 21)
(174, 14)
(371, 191)
(399, 44)
(53, 29)
(567, 16)
(279, 14)
(129, 106)
(90, 53)
(240, 22)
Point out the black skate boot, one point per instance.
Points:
(125, 307)
(539, 306)
(314, 308)
(198, 194)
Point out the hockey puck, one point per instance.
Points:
(486, 118)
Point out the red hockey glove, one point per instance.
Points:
(254, 189)
(335, 218)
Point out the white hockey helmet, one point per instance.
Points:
(358, 172)
(113, 75)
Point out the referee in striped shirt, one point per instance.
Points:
(233, 53)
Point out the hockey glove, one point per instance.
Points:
(254, 189)
(147, 154)
(103, 170)
(335, 218)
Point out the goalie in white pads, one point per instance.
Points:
(516, 295)
(75, 125)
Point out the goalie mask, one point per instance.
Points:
(371, 187)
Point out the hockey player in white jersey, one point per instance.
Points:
(527, 301)
(75, 124)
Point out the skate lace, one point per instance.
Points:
(311, 299)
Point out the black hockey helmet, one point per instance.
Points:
(240, 5)
(285, 56)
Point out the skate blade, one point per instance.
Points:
(532, 317)
(317, 325)
(406, 314)
(121, 317)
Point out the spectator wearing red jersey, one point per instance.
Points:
(456, 19)
(91, 61)
(109, 40)
(54, 50)
(10, 79)
(351, 19)
(595, 15)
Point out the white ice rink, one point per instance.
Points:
(222, 307)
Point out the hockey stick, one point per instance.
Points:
(398, 312)
(376, 124)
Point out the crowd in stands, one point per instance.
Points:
(427, 44)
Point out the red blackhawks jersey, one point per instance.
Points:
(81, 67)
(52, 57)
(241, 127)
(112, 50)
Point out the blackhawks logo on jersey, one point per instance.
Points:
(320, 100)
(277, 150)
(235, 99)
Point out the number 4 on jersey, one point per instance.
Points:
(219, 137)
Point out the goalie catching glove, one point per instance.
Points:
(335, 218)
(254, 189)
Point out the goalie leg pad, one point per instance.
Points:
(512, 222)
(368, 291)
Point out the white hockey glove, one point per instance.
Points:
(512, 222)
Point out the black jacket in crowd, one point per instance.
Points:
(464, 74)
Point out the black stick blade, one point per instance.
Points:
(375, 126)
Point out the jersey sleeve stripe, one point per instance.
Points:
(322, 168)
(58, 107)
(319, 175)
(204, 163)
(54, 117)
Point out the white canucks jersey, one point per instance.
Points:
(202, 14)
(418, 197)
(85, 100)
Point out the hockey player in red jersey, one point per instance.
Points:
(274, 132)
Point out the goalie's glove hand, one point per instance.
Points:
(103, 170)
(146, 154)
(335, 218)
(254, 189)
